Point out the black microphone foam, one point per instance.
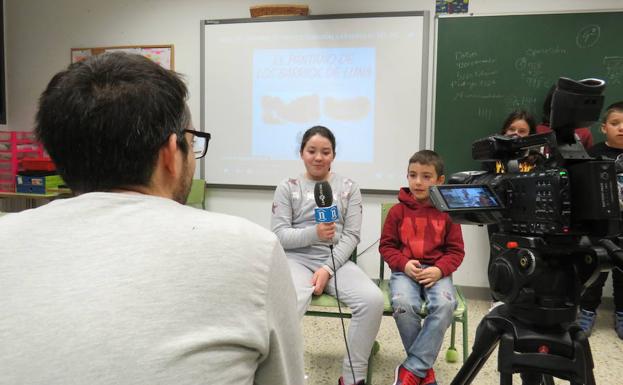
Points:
(323, 194)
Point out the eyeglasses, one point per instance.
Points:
(200, 142)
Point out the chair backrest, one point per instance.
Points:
(384, 210)
(197, 194)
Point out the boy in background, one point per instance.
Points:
(423, 248)
(612, 147)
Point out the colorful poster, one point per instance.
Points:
(451, 6)
(160, 55)
(80, 55)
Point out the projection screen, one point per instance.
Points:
(265, 81)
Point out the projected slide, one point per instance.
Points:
(294, 89)
(265, 82)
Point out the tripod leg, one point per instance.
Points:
(534, 379)
(547, 380)
(581, 339)
(487, 338)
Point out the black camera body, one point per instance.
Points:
(547, 223)
(570, 194)
(579, 199)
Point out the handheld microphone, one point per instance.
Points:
(326, 212)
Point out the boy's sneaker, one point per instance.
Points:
(341, 382)
(405, 377)
(586, 320)
(618, 323)
(430, 378)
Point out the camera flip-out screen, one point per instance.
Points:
(465, 197)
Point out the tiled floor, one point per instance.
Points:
(324, 348)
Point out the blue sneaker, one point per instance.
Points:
(586, 320)
(618, 323)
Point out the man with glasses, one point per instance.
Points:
(123, 284)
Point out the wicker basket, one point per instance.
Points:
(264, 10)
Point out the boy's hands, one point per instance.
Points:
(325, 231)
(319, 280)
(425, 277)
(411, 267)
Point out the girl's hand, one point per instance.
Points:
(319, 280)
(325, 231)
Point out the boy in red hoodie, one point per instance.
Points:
(423, 248)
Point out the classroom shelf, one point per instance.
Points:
(16, 146)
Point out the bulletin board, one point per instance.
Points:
(161, 54)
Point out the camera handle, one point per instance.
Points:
(538, 354)
(614, 252)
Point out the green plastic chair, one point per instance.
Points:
(330, 305)
(460, 314)
(197, 195)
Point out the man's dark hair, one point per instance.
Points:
(104, 120)
(428, 158)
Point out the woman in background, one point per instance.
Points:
(517, 123)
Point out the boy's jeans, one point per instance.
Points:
(422, 342)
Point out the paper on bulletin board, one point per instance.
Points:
(160, 55)
(80, 55)
(163, 55)
(126, 50)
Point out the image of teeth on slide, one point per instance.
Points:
(356, 108)
(304, 109)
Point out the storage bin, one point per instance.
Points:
(15, 146)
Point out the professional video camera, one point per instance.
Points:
(571, 194)
(557, 228)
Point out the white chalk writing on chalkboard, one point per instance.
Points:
(463, 95)
(474, 73)
(485, 113)
(531, 66)
(614, 69)
(516, 102)
(588, 36)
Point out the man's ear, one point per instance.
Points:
(441, 179)
(167, 154)
(603, 128)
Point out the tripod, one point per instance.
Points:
(535, 327)
(537, 353)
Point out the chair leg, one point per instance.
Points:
(465, 341)
(452, 355)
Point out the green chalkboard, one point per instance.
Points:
(488, 66)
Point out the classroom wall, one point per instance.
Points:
(39, 35)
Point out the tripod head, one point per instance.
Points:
(542, 280)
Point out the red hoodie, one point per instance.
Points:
(417, 230)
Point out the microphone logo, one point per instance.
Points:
(324, 200)
(326, 214)
(321, 198)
